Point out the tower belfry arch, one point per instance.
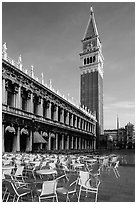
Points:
(91, 70)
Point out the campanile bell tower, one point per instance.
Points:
(91, 68)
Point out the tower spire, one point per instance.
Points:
(91, 30)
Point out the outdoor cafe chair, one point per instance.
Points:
(48, 190)
(32, 169)
(88, 183)
(114, 167)
(16, 193)
(69, 187)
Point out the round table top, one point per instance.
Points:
(91, 160)
(46, 171)
(78, 165)
(7, 167)
(34, 162)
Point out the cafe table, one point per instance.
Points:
(47, 172)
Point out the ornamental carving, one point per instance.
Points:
(28, 94)
(47, 104)
(16, 88)
(6, 84)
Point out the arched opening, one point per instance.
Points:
(23, 139)
(90, 59)
(9, 138)
(87, 60)
(94, 58)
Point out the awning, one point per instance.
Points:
(10, 129)
(38, 138)
(24, 131)
(45, 134)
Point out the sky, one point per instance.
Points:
(48, 36)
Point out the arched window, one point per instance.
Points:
(90, 59)
(85, 61)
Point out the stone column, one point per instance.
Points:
(49, 142)
(14, 147)
(79, 142)
(91, 144)
(31, 104)
(70, 116)
(62, 141)
(82, 143)
(30, 141)
(85, 144)
(62, 115)
(76, 143)
(27, 144)
(75, 121)
(67, 118)
(3, 92)
(67, 141)
(49, 110)
(40, 111)
(56, 113)
(18, 140)
(3, 138)
(18, 98)
(56, 141)
(94, 144)
(72, 143)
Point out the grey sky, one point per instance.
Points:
(48, 36)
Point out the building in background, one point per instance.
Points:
(91, 68)
(36, 117)
(130, 134)
(123, 138)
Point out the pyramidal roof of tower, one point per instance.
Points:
(91, 30)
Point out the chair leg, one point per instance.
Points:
(18, 199)
(56, 198)
(79, 194)
(7, 197)
(115, 173)
(96, 196)
(67, 199)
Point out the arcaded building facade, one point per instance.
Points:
(35, 116)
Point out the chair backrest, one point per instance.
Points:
(7, 171)
(49, 187)
(19, 171)
(105, 161)
(114, 159)
(52, 165)
(116, 164)
(72, 182)
(96, 168)
(83, 177)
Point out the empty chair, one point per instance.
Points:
(16, 193)
(48, 190)
(69, 187)
(88, 183)
(114, 167)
